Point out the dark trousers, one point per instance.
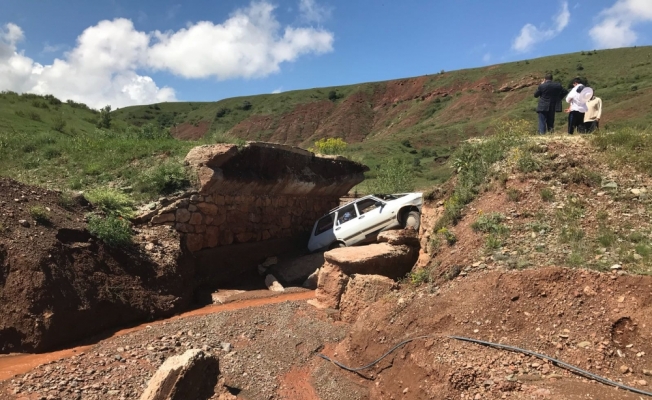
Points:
(546, 121)
(591, 126)
(575, 120)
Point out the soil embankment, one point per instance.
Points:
(58, 284)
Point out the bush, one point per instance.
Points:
(332, 95)
(104, 121)
(394, 176)
(450, 237)
(58, 122)
(222, 111)
(419, 277)
(514, 195)
(547, 194)
(490, 223)
(40, 215)
(111, 201)
(329, 146)
(34, 116)
(165, 178)
(114, 231)
(527, 163)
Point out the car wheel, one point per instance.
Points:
(412, 220)
(336, 245)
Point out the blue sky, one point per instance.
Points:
(122, 52)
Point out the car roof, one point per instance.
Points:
(375, 196)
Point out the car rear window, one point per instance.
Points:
(324, 224)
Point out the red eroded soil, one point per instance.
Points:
(187, 131)
(54, 275)
(580, 317)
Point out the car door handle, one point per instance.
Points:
(338, 228)
(362, 216)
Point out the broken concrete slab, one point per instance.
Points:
(191, 375)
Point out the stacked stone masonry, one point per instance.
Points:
(219, 220)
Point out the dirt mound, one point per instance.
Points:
(592, 320)
(58, 284)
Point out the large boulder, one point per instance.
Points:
(384, 259)
(191, 375)
(378, 258)
(361, 291)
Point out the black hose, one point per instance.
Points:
(561, 364)
(375, 362)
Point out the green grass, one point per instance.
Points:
(40, 214)
(112, 230)
(490, 223)
(627, 146)
(111, 202)
(547, 194)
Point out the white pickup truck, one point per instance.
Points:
(363, 218)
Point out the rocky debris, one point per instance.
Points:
(269, 261)
(312, 280)
(272, 284)
(191, 375)
(256, 346)
(362, 291)
(295, 270)
(520, 84)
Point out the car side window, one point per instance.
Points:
(346, 214)
(324, 224)
(366, 205)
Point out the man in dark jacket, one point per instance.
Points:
(550, 94)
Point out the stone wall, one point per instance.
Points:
(218, 220)
(256, 193)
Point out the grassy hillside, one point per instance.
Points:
(419, 120)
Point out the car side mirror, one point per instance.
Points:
(379, 204)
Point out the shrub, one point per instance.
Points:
(393, 176)
(450, 237)
(490, 223)
(514, 194)
(493, 242)
(34, 116)
(332, 95)
(165, 178)
(40, 215)
(222, 111)
(329, 146)
(572, 234)
(419, 277)
(112, 230)
(527, 163)
(547, 194)
(104, 121)
(111, 201)
(58, 122)
(66, 200)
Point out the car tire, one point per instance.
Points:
(412, 220)
(336, 245)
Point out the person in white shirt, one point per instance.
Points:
(576, 108)
(593, 114)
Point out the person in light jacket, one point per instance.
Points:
(549, 94)
(576, 108)
(593, 114)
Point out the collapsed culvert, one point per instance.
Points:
(248, 204)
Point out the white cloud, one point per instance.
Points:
(486, 57)
(313, 12)
(107, 63)
(100, 70)
(531, 35)
(616, 24)
(277, 91)
(248, 45)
